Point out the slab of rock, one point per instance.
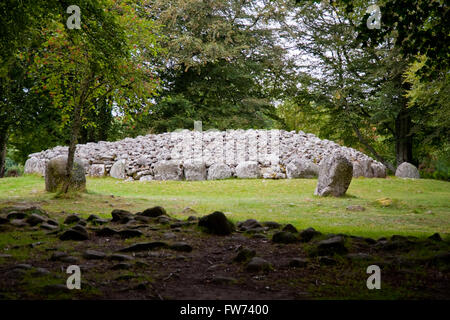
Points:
(335, 175)
(284, 237)
(72, 219)
(145, 246)
(331, 246)
(247, 170)
(407, 170)
(168, 170)
(307, 234)
(154, 212)
(119, 215)
(194, 170)
(219, 171)
(290, 228)
(301, 168)
(216, 223)
(248, 224)
(257, 264)
(56, 175)
(105, 232)
(77, 233)
(244, 255)
(94, 255)
(119, 169)
(181, 246)
(129, 233)
(271, 224)
(120, 257)
(35, 219)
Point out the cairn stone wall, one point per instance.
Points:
(196, 155)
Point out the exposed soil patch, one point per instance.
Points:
(158, 257)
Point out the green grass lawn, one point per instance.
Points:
(410, 207)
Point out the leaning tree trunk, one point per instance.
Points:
(403, 137)
(3, 143)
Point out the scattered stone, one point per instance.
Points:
(120, 257)
(335, 175)
(16, 215)
(435, 237)
(154, 212)
(298, 263)
(181, 246)
(244, 255)
(370, 240)
(257, 264)
(99, 221)
(23, 266)
(121, 266)
(271, 224)
(41, 272)
(47, 226)
(284, 237)
(327, 261)
(334, 245)
(52, 222)
(290, 228)
(216, 223)
(73, 218)
(192, 218)
(92, 217)
(121, 216)
(94, 255)
(248, 224)
(35, 219)
(163, 220)
(56, 175)
(169, 235)
(145, 246)
(18, 223)
(105, 232)
(129, 233)
(258, 236)
(77, 233)
(356, 208)
(179, 224)
(3, 220)
(57, 255)
(307, 234)
(69, 259)
(407, 170)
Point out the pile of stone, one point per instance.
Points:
(210, 155)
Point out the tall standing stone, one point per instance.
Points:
(335, 175)
(56, 174)
(407, 170)
(118, 170)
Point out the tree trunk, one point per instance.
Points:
(76, 126)
(3, 143)
(403, 137)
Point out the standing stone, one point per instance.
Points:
(300, 168)
(118, 170)
(335, 175)
(247, 170)
(379, 170)
(407, 170)
(219, 171)
(168, 170)
(55, 175)
(194, 170)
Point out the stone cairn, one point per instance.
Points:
(212, 154)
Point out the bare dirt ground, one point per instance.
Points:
(181, 261)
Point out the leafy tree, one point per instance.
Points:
(107, 58)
